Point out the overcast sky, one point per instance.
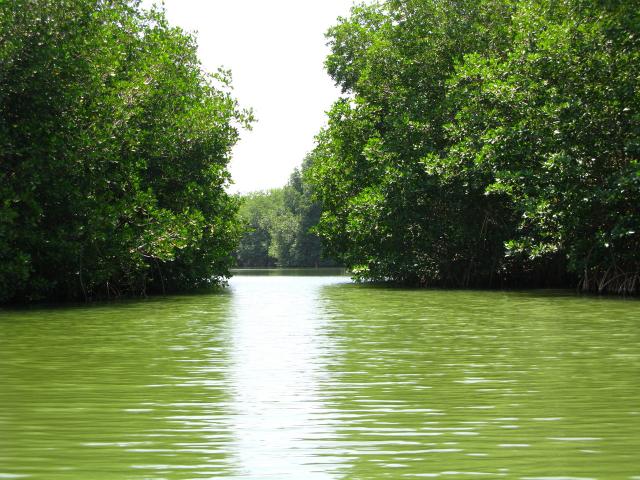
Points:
(275, 50)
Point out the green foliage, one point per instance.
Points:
(257, 211)
(279, 225)
(484, 143)
(114, 154)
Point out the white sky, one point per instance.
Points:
(275, 50)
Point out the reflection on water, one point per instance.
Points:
(311, 377)
(278, 367)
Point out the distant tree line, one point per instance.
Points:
(485, 143)
(113, 154)
(278, 227)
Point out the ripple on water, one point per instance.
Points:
(314, 378)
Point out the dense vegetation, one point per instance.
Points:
(278, 227)
(113, 154)
(485, 143)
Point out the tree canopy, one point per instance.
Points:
(485, 143)
(279, 226)
(114, 147)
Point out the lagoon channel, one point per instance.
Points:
(287, 375)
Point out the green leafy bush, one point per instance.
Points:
(485, 143)
(114, 151)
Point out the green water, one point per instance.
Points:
(310, 377)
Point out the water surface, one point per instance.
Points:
(311, 377)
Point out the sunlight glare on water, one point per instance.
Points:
(312, 377)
